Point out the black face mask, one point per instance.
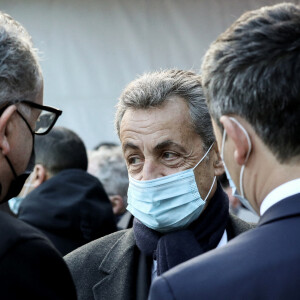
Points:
(19, 180)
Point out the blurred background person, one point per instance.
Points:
(92, 167)
(109, 166)
(105, 144)
(67, 204)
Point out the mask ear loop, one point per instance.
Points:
(223, 145)
(247, 156)
(203, 156)
(210, 189)
(11, 167)
(214, 177)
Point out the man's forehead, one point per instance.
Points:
(155, 128)
(171, 103)
(161, 145)
(171, 112)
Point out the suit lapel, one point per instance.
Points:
(116, 272)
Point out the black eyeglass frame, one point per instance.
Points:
(51, 109)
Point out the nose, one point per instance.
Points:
(151, 170)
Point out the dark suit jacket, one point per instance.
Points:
(263, 263)
(108, 268)
(30, 267)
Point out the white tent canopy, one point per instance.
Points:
(91, 49)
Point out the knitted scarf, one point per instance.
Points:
(204, 234)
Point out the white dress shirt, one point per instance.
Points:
(283, 191)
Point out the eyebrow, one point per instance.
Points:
(169, 143)
(158, 147)
(130, 146)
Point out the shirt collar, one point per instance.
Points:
(283, 191)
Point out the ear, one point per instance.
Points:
(217, 161)
(39, 175)
(117, 204)
(238, 136)
(4, 122)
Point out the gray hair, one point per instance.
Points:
(252, 70)
(20, 72)
(153, 89)
(109, 166)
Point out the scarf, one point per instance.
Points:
(204, 234)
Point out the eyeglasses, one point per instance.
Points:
(47, 116)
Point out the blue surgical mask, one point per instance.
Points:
(14, 204)
(167, 203)
(235, 193)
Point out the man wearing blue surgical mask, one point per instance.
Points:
(180, 210)
(252, 86)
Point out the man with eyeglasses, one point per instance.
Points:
(30, 267)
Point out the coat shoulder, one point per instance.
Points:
(236, 226)
(16, 232)
(84, 262)
(26, 251)
(95, 251)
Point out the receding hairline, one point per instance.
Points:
(172, 98)
(156, 85)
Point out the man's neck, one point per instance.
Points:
(263, 173)
(273, 177)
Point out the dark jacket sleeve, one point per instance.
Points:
(33, 269)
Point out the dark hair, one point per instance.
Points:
(252, 70)
(60, 149)
(154, 89)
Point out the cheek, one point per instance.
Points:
(25, 150)
(204, 177)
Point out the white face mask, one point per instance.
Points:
(167, 203)
(235, 193)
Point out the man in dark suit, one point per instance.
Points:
(30, 267)
(252, 86)
(180, 210)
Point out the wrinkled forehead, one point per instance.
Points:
(148, 128)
